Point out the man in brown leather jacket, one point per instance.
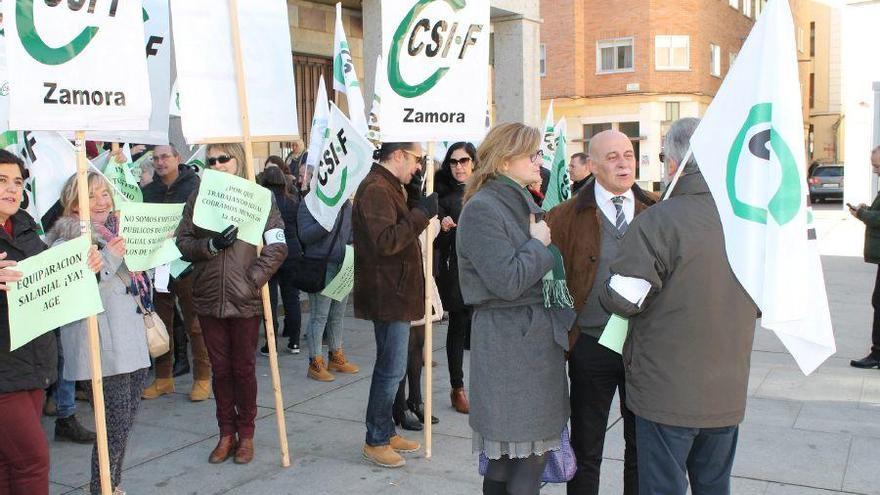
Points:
(389, 282)
(588, 230)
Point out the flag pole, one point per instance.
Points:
(678, 172)
(429, 299)
(249, 163)
(85, 223)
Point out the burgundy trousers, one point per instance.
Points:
(24, 453)
(232, 348)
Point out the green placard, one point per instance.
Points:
(57, 288)
(148, 230)
(343, 282)
(225, 199)
(125, 185)
(178, 266)
(615, 333)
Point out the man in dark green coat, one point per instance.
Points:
(870, 216)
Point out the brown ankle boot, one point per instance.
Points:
(223, 450)
(245, 451)
(318, 370)
(338, 362)
(459, 400)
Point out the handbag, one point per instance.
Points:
(158, 341)
(309, 274)
(561, 464)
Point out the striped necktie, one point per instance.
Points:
(620, 221)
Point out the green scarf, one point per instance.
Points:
(556, 294)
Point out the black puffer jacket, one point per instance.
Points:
(34, 365)
(177, 192)
(451, 194)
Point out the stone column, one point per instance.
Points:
(372, 22)
(517, 83)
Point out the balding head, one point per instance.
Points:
(613, 161)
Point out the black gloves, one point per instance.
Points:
(224, 239)
(428, 204)
(414, 191)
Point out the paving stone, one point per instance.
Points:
(863, 469)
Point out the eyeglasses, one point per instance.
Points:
(221, 159)
(423, 159)
(537, 156)
(461, 162)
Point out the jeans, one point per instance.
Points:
(596, 372)
(290, 298)
(392, 339)
(24, 452)
(232, 345)
(325, 315)
(414, 362)
(670, 456)
(64, 391)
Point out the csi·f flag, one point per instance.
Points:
(380, 85)
(750, 148)
(319, 125)
(345, 78)
(548, 141)
(559, 189)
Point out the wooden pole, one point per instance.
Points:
(249, 163)
(429, 303)
(85, 223)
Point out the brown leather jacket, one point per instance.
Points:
(227, 285)
(389, 280)
(576, 230)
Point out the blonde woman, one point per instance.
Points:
(226, 282)
(124, 353)
(519, 390)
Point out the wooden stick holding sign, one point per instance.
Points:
(249, 164)
(429, 305)
(82, 182)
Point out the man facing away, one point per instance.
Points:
(173, 183)
(691, 327)
(588, 230)
(870, 216)
(389, 284)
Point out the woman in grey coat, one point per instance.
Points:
(124, 353)
(519, 390)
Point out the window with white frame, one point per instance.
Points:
(672, 52)
(543, 61)
(800, 39)
(747, 8)
(615, 55)
(714, 60)
(734, 4)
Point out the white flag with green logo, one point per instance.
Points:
(559, 187)
(750, 148)
(4, 78)
(548, 142)
(436, 58)
(319, 125)
(50, 160)
(77, 65)
(198, 158)
(344, 162)
(380, 87)
(345, 78)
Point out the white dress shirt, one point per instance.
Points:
(603, 200)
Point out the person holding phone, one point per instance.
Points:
(870, 216)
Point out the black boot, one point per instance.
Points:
(869, 361)
(420, 412)
(407, 420)
(71, 430)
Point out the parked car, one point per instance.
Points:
(826, 182)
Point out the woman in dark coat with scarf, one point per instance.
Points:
(450, 181)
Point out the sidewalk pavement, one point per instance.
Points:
(801, 436)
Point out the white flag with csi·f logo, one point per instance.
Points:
(750, 148)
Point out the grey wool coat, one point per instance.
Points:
(121, 329)
(518, 385)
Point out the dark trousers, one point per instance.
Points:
(456, 335)
(508, 476)
(122, 396)
(24, 453)
(282, 282)
(232, 345)
(390, 368)
(415, 358)
(875, 302)
(669, 456)
(181, 291)
(596, 372)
